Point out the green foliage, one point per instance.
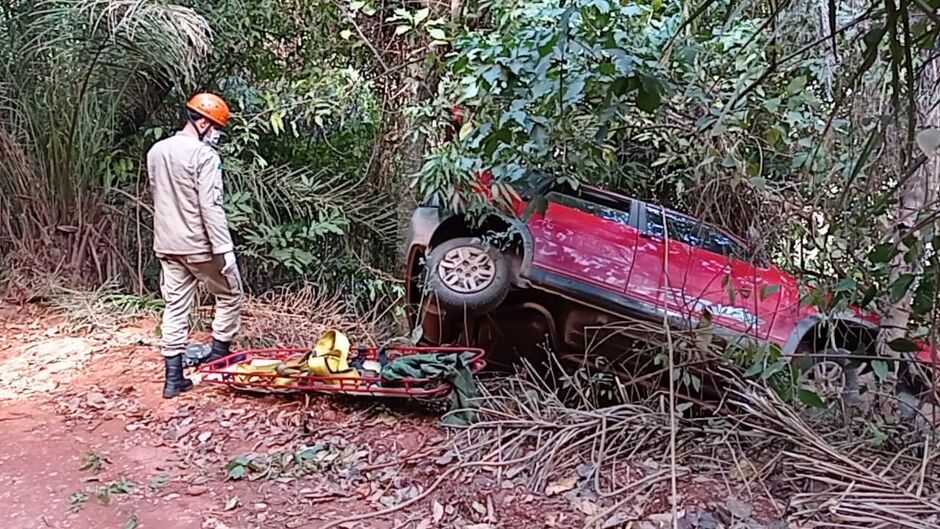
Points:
(612, 94)
(903, 345)
(880, 367)
(418, 21)
(877, 434)
(546, 86)
(121, 486)
(810, 398)
(767, 364)
(684, 377)
(77, 500)
(298, 151)
(70, 88)
(77, 81)
(92, 462)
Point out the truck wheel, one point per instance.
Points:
(466, 274)
(909, 405)
(913, 393)
(832, 376)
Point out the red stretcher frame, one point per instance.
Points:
(361, 385)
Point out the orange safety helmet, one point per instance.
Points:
(211, 107)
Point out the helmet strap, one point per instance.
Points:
(200, 133)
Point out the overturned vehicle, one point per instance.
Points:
(570, 275)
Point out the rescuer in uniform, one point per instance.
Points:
(191, 237)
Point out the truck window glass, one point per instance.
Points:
(680, 229)
(619, 215)
(693, 233)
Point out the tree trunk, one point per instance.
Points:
(412, 159)
(829, 60)
(916, 197)
(423, 81)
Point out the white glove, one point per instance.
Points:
(229, 263)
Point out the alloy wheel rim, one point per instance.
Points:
(827, 379)
(467, 270)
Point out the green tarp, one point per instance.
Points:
(453, 367)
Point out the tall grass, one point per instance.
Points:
(74, 73)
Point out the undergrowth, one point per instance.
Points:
(287, 317)
(103, 309)
(599, 437)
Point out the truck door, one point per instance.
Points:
(758, 291)
(686, 277)
(585, 238)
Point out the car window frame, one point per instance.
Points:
(623, 204)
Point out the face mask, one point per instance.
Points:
(213, 137)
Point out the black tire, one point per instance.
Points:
(465, 297)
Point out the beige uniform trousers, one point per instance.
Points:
(179, 278)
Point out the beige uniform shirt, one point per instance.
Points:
(186, 182)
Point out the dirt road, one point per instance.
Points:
(87, 442)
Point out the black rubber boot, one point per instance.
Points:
(175, 382)
(219, 350)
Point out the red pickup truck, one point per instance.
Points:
(595, 257)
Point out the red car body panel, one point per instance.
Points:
(577, 244)
(607, 248)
